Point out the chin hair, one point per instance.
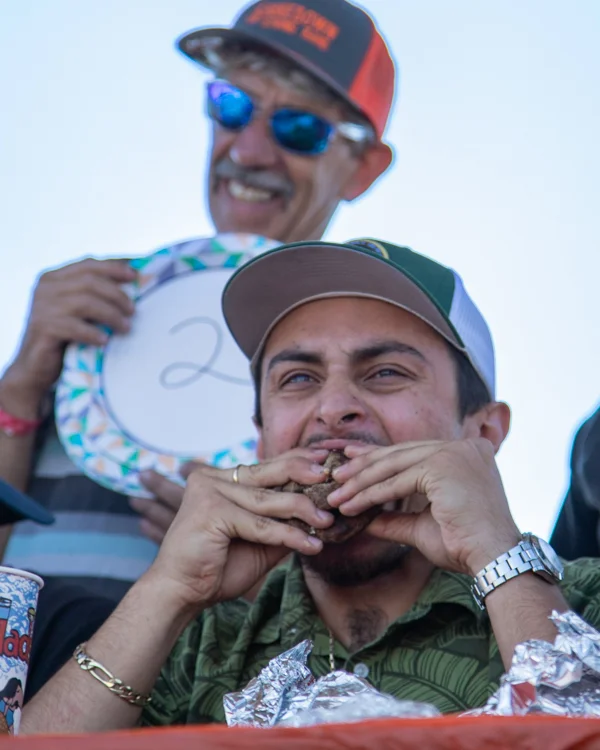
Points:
(337, 566)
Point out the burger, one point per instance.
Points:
(343, 527)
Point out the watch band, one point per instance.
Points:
(518, 560)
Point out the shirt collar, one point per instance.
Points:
(298, 618)
(284, 607)
(444, 587)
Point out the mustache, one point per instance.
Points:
(261, 179)
(363, 437)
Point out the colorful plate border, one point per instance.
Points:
(91, 437)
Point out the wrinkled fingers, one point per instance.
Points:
(242, 524)
(302, 465)
(278, 505)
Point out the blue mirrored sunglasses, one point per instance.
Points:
(296, 130)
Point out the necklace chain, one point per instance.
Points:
(331, 652)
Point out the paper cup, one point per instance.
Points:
(18, 603)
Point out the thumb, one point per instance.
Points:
(273, 556)
(255, 561)
(396, 527)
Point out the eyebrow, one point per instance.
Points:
(358, 356)
(295, 355)
(381, 348)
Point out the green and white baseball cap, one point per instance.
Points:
(270, 286)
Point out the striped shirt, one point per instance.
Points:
(95, 541)
(442, 651)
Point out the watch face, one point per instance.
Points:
(550, 558)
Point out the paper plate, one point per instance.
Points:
(176, 387)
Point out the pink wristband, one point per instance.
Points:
(15, 426)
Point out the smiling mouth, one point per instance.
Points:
(242, 192)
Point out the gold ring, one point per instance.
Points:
(236, 474)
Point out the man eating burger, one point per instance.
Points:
(369, 350)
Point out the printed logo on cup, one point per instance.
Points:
(18, 603)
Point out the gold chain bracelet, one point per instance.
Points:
(114, 684)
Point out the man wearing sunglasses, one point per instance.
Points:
(299, 102)
(299, 106)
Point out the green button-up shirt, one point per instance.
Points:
(442, 651)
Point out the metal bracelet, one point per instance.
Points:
(519, 559)
(114, 684)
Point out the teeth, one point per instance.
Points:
(244, 193)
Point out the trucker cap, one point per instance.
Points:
(332, 39)
(15, 506)
(273, 284)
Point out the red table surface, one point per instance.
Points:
(445, 733)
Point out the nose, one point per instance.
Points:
(253, 146)
(339, 406)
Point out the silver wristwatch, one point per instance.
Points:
(530, 554)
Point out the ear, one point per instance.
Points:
(373, 163)
(491, 422)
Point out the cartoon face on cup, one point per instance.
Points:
(18, 603)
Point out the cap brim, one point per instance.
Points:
(195, 44)
(270, 286)
(15, 506)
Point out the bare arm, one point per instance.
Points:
(519, 611)
(16, 451)
(67, 305)
(133, 644)
(197, 566)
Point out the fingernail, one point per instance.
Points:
(333, 496)
(313, 541)
(317, 469)
(324, 515)
(357, 449)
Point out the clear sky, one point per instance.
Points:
(103, 144)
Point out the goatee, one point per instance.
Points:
(336, 565)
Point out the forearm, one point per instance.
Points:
(16, 451)
(519, 611)
(133, 644)
(15, 459)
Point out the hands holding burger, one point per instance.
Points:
(233, 527)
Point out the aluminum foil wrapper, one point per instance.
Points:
(268, 695)
(562, 679)
(285, 693)
(344, 697)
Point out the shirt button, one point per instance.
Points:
(293, 631)
(361, 670)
